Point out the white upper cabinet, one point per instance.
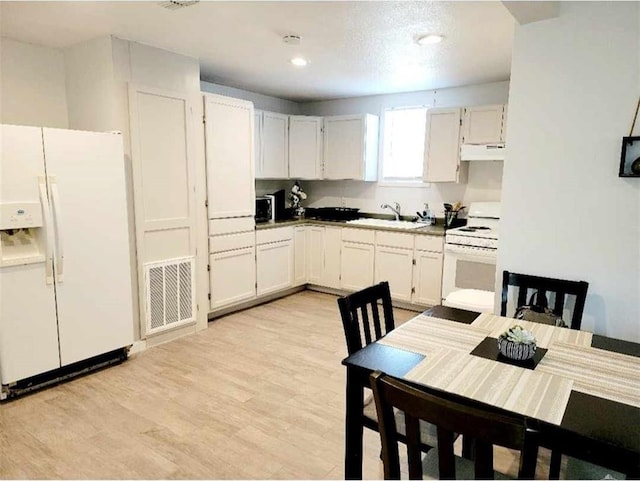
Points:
(483, 124)
(442, 145)
(229, 154)
(257, 142)
(351, 147)
(274, 147)
(305, 147)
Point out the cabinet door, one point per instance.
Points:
(344, 147)
(356, 266)
(332, 245)
(316, 255)
(305, 147)
(482, 124)
(275, 267)
(442, 145)
(395, 266)
(503, 133)
(428, 278)
(229, 151)
(257, 143)
(275, 143)
(232, 277)
(300, 256)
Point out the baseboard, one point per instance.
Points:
(138, 346)
(254, 302)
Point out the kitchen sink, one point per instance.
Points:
(388, 224)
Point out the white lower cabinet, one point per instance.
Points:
(324, 245)
(357, 258)
(395, 265)
(428, 278)
(301, 255)
(274, 260)
(275, 267)
(427, 272)
(232, 276)
(356, 267)
(244, 265)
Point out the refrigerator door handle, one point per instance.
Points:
(55, 196)
(48, 226)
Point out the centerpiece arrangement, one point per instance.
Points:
(517, 343)
(296, 196)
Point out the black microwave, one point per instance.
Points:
(265, 208)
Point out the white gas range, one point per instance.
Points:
(481, 229)
(469, 273)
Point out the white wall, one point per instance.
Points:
(575, 83)
(485, 179)
(260, 102)
(90, 84)
(32, 80)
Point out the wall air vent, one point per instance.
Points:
(170, 293)
(176, 4)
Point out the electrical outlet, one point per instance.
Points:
(343, 202)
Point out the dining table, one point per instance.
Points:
(582, 390)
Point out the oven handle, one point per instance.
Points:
(471, 250)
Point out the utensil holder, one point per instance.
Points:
(449, 217)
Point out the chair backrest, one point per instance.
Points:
(484, 427)
(361, 317)
(544, 285)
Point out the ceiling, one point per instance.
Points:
(353, 48)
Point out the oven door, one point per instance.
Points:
(467, 267)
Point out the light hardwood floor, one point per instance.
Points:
(259, 394)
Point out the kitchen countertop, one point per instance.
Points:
(434, 230)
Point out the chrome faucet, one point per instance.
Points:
(395, 210)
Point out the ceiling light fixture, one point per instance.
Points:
(299, 62)
(292, 39)
(429, 39)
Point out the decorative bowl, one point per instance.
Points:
(517, 344)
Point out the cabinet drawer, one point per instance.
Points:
(429, 243)
(361, 236)
(394, 239)
(229, 226)
(268, 236)
(222, 243)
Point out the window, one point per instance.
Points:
(403, 148)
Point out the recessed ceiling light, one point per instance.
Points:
(299, 62)
(429, 39)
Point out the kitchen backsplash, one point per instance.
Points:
(485, 183)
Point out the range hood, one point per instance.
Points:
(482, 151)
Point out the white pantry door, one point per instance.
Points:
(163, 167)
(92, 267)
(28, 328)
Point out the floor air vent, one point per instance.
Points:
(170, 293)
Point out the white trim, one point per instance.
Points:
(405, 184)
(138, 346)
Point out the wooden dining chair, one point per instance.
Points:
(361, 316)
(486, 428)
(527, 284)
(367, 315)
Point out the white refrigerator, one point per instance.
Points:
(65, 272)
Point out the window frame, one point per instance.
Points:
(390, 182)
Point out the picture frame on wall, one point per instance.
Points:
(630, 157)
